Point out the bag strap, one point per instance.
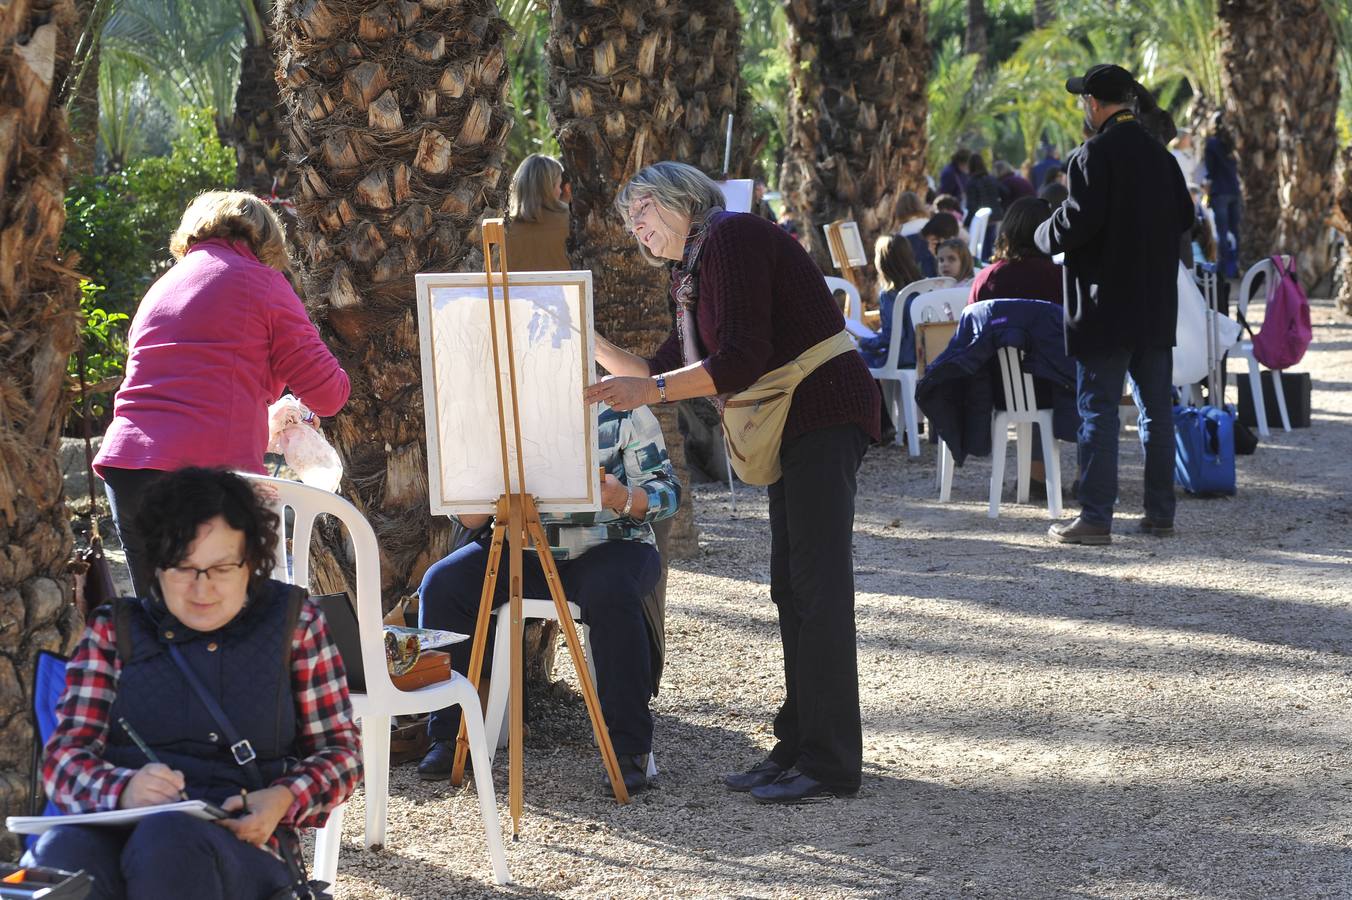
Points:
(94, 541)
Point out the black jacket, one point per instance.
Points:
(1119, 229)
(962, 386)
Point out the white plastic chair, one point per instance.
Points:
(976, 232)
(899, 384)
(944, 305)
(499, 685)
(1243, 349)
(1021, 411)
(381, 699)
(854, 308)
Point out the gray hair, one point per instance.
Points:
(671, 185)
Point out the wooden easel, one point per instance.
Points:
(837, 243)
(517, 520)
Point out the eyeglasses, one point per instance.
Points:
(185, 575)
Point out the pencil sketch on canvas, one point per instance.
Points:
(551, 322)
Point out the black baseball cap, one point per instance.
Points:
(1104, 82)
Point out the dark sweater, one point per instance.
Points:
(1025, 279)
(762, 302)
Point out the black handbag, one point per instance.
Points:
(301, 887)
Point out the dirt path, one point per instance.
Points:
(1159, 718)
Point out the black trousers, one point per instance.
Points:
(125, 488)
(812, 584)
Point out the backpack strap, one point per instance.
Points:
(122, 611)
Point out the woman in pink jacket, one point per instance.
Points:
(215, 341)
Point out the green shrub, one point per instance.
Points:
(103, 337)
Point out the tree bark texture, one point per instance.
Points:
(633, 83)
(257, 130)
(1342, 220)
(1044, 13)
(976, 40)
(84, 106)
(857, 114)
(39, 312)
(398, 127)
(1280, 71)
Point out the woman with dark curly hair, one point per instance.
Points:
(214, 625)
(1019, 270)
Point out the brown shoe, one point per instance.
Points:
(1148, 525)
(1078, 531)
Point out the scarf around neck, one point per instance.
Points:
(685, 283)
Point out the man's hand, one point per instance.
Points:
(266, 809)
(153, 784)
(623, 393)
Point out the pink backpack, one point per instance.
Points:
(1286, 332)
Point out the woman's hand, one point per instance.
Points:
(614, 495)
(153, 784)
(266, 809)
(623, 393)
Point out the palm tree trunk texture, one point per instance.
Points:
(1281, 79)
(84, 106)
(1342, 220)
(1044, 13)
(258, 133)
(976, 40)
(633, 83)
(857, 113)
(39, 312)
(398, 127)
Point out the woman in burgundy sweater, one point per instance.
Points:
(1020, 271)
(749, 300)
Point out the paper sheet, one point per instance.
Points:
(198, 809)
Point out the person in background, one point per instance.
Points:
(1048, 163)
(260, 650)
(215, 341)
(983, 192)
(912, 214)
(537, 216)
(1055, 194)
(953, 178)
(1013, 186)
(948, 204)
(1018, 269)
(939, 228)
(896, 268)
(759, 205)
(1223, 195)
(1183, 151)
(955, 261)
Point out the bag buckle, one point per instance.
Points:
(243, 752)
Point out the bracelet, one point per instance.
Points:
(308, 417)
(661, 387)
(628, 504)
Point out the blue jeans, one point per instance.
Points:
(1099, 378)
(1226, 208)
(608, 582)
(167, 856)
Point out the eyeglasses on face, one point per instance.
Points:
(184, 575)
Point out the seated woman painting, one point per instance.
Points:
(896, 268)
(259, 649)
(608, 564)
(1020, 271)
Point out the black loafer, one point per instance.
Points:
(440, 759)
(795, 787)
(763, 772)
(634, 773)
(1148, 525)
(1078, 531)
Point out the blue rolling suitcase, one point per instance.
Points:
(1204, 459)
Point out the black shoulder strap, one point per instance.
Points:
(295, 599)
(122, 610)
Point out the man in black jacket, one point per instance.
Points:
(1120, 229)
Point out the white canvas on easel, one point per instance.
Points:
(738, 194)
(854, 245)
(555, 361)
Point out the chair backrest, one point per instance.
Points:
(1268, 271)
(976, 234)
(1017, 384)
(854, 309)
(307, 504)
(944, 305)
(49, 683)
(899, 323)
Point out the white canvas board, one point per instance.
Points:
(854, 244)
(198, 809)
(738, 194)
(552, 338)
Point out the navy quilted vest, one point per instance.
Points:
(245, 664)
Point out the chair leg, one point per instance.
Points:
(375, 761)
(1023, 451)
(1051, 458)
(912, 417)
(999, 438)
(1281, 399)
(495, 721)
(945, 473)
(327, 843)
(1259, 404)
(482, 759)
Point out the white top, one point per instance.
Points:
(913, 226)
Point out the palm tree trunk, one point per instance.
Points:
(857, 116)
(84, 106)
(1044, 13)
(1342, 220)
(976, 39)
(257, 129)
(633, 85)
(38, 330)
(1281, 78)
(398, 114)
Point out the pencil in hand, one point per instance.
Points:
(144, 748)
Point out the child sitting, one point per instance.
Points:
(896, 268)
(955, 261)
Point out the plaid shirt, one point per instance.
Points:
(78, 780)
(631, 449)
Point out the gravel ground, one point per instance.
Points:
(1158, 718)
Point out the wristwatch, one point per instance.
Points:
(628, 503)
(661, 387)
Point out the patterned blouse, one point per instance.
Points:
(77, 779)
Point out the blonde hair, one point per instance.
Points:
(671, 185)
(234, 215)
(535, 188)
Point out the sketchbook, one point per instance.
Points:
(198, 809)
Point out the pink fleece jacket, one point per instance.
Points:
(214, 342)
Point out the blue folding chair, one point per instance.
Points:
(49, 683)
